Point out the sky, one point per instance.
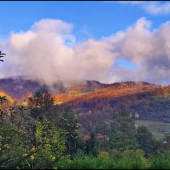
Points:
(86, 40)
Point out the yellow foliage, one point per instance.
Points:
(32, 149)
(32, 157)
(24, 103)
(57, 102)
(103, 155)
(7, 97)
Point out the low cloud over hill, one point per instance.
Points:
(49, 51)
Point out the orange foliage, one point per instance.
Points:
(78, 94)
(74, 96)
(107, 93)
(86, 137)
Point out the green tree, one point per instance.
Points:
(91, 145)
(145, 140)
(51, 139)
(2, 99)
(14, 140)
(40, 103)
(126, 122)
(17, 150)
(69, 124)
(164, 144)
(122, 141)
(13, 144)
(105, 131)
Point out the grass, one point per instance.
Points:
(129, 159)
(161, 162)
(154, 127)
(133, 160)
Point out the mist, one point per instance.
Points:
(48, 51)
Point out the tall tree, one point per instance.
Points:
(126, 122)
(69, 124)
(91, 145)
(1, 55)
(40, 102)
(145, 140)
(122, 141)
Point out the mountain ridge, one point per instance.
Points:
(95, 100)
(21, 88)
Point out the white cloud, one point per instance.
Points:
(150, 51)
(131, 2)
(42, 53)
(152, 7)
(157, 8)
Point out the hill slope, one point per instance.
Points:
(138, 97)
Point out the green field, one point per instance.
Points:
(157, 128)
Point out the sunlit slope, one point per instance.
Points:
(11, 100)
(8, 97)
(72, 94)
(80, 94)
(18, 89)
(21, 89)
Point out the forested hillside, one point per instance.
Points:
(149, 101)
(94, 101)
(85, 121)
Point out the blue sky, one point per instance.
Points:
(90, 19)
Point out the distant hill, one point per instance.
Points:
(149, 101)
(20, 88)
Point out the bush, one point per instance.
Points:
(16, 151)
(133, 160)
(118, 141)
(13, 146)
(161, 161)
(130, 160)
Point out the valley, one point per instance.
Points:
(158, 128)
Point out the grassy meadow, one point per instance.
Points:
(158, 128)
